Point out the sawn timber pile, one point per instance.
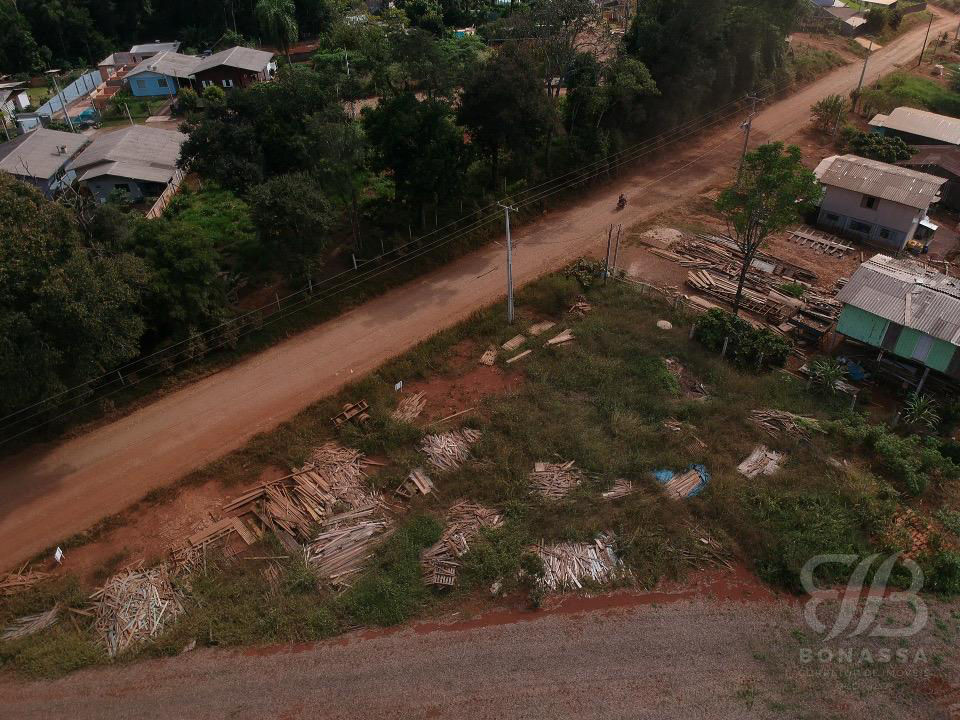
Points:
(449, 450)
(568, 565)
(465, 520)
(554, 481)
(134, 605)
(345, 541)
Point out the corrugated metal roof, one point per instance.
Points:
(942, 156)
(907, 293)
(872, 177)
(140, 152)
(167, 63)
(155, 47)
(920, 122)
(242, 58)
(37, 153)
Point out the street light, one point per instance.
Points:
(63, 100)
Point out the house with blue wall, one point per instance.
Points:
(162, 75)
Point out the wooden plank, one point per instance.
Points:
(513, 343)
(518, 357)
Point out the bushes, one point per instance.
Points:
(749, 347)
(942, 574)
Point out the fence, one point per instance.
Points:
(166, 196)
(82, 86)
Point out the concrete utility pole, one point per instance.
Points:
(863, 72)
(606, 263)
(63, 100)
(925, 39)
(506, 212)
(747, 127)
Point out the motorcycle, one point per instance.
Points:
(621, 203)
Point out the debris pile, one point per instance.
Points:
(21, 580)
(564, 337)
(688, 383)
(134, 605)
(31, 624)
(780, 421)
(568, 565)
(416, 482)
(410, 407)
(621, 488)
(465, 520)
(580, 307)
(688, 483)
(449, 450)
(345, 542)
(704, 550)
(761, 461)
(555, 480)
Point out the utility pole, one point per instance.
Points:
(129, 116)
(856, 93)
(606, 263)
(63, 100)
(747, 127)
(506, 212)
(616, 248)
(925, 39)
(863, 72)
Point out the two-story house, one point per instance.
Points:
(877, 203)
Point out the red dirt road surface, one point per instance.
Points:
(49, 493)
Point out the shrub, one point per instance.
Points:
(749, 347)
(187, 101)
(943, 573)
(828, 111)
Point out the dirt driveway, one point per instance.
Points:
(51, 492)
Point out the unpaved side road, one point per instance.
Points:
(685, 660)
(49, 493)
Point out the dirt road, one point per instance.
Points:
(680, 660)
(49, 493)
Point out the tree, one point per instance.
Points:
(875, 146)
(293, 219)
(278, 20)
(828, 112)
(877, 20)
(773, 192)
(68, 311)
(505, 107)
(214, 95)
(422, 147)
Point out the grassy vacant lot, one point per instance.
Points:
(600, 401)
(902, 88)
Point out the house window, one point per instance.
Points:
(833, 218)
(141, 84)
(162, 82)
(884, 233)
(860, 227)
(869, 202)
(205, 83)
(228, 83)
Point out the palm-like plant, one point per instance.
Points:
(921, 410)
(278, 20)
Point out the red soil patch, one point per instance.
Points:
(447, 394)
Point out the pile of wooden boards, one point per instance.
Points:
(489, 356)
(721, 253)
(465, 520)
(134, 605)
(30, 624)
(554, 481)
(771, 305)
(417, 482)
(345, 542)
(540, 328)
(410, 407)
(580, 307)
(514, 342)
(776, 422)
(621, 488)
(564, 337)
(762, 461)
(21, 580)
(820, 241)
(449, 450)
(568, 565)
(682, 485)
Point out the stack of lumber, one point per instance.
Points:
(554, 481)
(771, 305)
(513, 343)
(30, 624)
(416, 482)
(564, 337)
(580, 307)
(621, 488)
(540, 328)
(134, 605)
(776, 422)
(722, 253)
(449, 450)
(465, 520)
(489, 357)
(22, 579)
(568, 565)
(682, 484)
(410, 407)
(345, 542)
(762, 461)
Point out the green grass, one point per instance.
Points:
(600, 401)
(806, 64)
(902, 88)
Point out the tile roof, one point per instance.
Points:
(920, 122)
(167, 63)
(908, 293)
(37, 154)
(136, 152)
(879, 179)
(242, 58)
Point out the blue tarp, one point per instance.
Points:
(665, 476)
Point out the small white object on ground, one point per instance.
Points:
(664, 325)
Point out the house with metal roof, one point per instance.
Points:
(918, 127)
(904, 308)
(138, 159)
(13, 97)
(40, 157)
(162, 74)
(942, 161)
(237, 67)
(875, 202)
(147, 50)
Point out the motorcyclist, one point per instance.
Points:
(622, 201)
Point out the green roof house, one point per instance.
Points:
(906, 309)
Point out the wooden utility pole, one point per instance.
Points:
(506, 212)
(606, 264)
(925, 39)
(747, 127)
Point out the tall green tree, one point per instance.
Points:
(278, 20)
(773, 192)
